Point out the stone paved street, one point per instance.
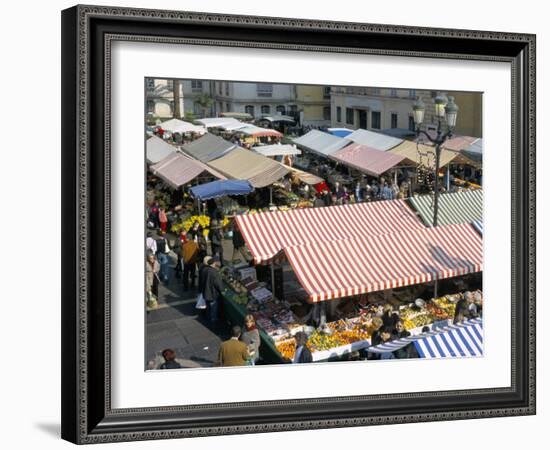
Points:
(176, 324)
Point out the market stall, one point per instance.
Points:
(244, 164)
(321, 143)
(276, 150)
(177, 170)
(218, 122)
(182, 127)
(454, 207)
(374, 140)
(221, 188)
(341, 268)
(278, 121)
(305, 177)
(277, 323)
(257, 132)
(369, 160)
(278, 320)
(237, 115)
(474, 151)
(235, 309)
(453, 340)
(208, 148)
(458, 143)
(157, 149)
(251, 135)
(267, 234)
(461, 340)
(424, 155)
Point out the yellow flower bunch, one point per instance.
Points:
(204, 222)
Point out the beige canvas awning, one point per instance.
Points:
(243, 164)
(177, 170)
(423, 154)
(305, 177)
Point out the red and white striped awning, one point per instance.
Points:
(268, 233)
(341, 268)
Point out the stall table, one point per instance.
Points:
(234, 313)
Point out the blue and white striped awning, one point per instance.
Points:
(453, 341)
(461, 340)
(478, 225)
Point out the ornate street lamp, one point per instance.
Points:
(445, 109)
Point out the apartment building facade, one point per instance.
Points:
(382, 108)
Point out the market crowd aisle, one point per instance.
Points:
(176, 324)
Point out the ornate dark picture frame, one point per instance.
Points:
(87, 34)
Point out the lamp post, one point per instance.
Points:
(445, 109)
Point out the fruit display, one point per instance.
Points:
(417, 321)
(319, 341)
(234, 289)
(304, 204)
(286, 348)
(447, 304)
(354, 335)
(339, 334)
(441, 309)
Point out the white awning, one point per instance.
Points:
(157, 150)
(180, 126)
(219, 122)
(322, 143)
(374, 140)
(277, 150)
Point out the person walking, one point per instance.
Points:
(151, 243)
(216, 240)
(203, 267)
(154, 214)
(178, 248)
(189, 255)
(152, 269)
(163, 219)
(213, 288)
(195, 231)
(233, 352)
(203, 246)
(163, 249)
